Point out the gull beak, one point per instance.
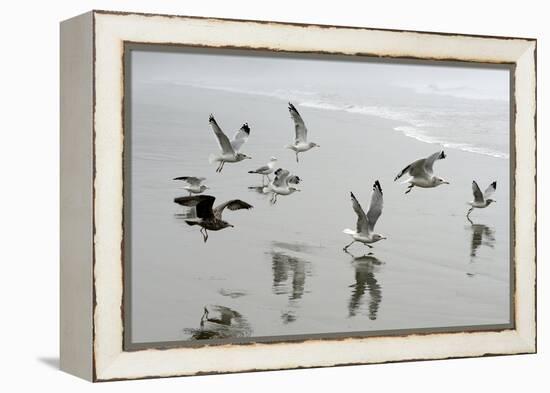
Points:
(232, 226)
(446, 182)
(384, 238)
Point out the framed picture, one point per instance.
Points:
(245, 195)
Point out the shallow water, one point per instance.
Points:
(282, 268)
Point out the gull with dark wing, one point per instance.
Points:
(283, 184)
(266, 170)
(194, 185)
(300, 144)
(208, 217)
(421, 172)
(481, 201)
(366, 222)
(230, 149)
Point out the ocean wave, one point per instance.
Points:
(417, 119)
(419, 135)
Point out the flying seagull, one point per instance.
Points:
(283, 184)
(421, 172)
(230, 149)
(366, 222)
(208, 217)
(266, 169)
(194, 184)
(300, 144)
(481, 201)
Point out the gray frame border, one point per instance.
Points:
(129, 46)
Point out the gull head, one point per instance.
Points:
(313, 144)
(376, 237)
(203, 187)
(294, 189)
(225, 224)
(489, 201)
(241, 156)
(438, 181)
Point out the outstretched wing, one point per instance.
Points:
(421, 167)
(429, 161)
(293, 179)
(202, 203)
(240, 137)
(362, 222)
(375, 207)
(192, 180)
(299, 125)
(478, 196)
(490, 190)
(280, 177)
(223, 140)
(234, 204)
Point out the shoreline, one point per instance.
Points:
(406, 127)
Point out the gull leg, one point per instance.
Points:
(409, 189)
(190, 193)
(468, 214)
(205, 235)
(346, 247)
(219, 165)
(202, 233)
(297, 160)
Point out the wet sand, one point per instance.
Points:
(282, 268)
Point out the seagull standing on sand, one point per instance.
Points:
(421, 172)
(209, 218)
(230, 149)
(366, 222)
(481, 201)
(282, 184)
(300, 144)
(194, 184)
(266, 169)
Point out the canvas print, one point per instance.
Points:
(278, 196)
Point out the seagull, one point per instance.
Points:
(209, 218)
(366, 222)
(282, 184)
(266, 169)
(300, 143)
(481, 201)
(195, 186)
(421, 172)
(230, 149)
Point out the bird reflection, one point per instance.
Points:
(283, 267)
(481, 235)
(365, 268)
(289, 275)
(220, 322)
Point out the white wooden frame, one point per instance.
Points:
(92, 91)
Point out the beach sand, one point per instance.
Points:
(282, 267)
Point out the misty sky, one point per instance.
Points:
(274, 70)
